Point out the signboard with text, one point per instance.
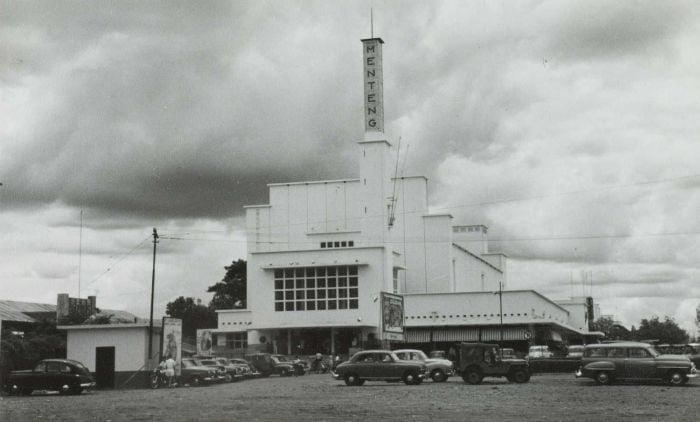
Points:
(171, 346)
(374, 85)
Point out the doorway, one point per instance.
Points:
(104, 367)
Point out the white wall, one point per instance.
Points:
(469, 270)
(481, 308)
(130, 346)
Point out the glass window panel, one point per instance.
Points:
(336, 244)
(331, 294)
(288, 306)
(310, 283)
(320, 272)
(353, 270)
(353, 303)
(342, 304)
(310, 305)
(309, 272)
(300, 294)
(321, 282)
(321, 293)
(300, 306)
(321, 305)
(288, 284)
(279, 295)
(332, 305)
(342, 282)
(278, 273)
(279, 284)
(288, 273)
(331, 283)
(342, 293)
(342, 270)
(351, 243)
(343, 244)
(289, 295)
(279, 306)
(353, 281)
(353, 292)
(299, 272)
(330, 271)
(311, 294)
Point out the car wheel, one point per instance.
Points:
(228, 377)
(520, 376)
(472, 376)
(676, 377)
(353, 379)
(438, 375)
(195, 381)
(410, 378)
(603, 378)
(284, 372)
(76, 390)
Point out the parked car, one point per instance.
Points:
(693, 353)
(268, 364)
(379, 365)
(62, 375)
(479, 360)
(606, 363)
(194, 374)
(300, 366)
(251, 372)
(439, 370)
(575, 352)
(539, 352)
(438, 354)
(237, 370)
(225, 373)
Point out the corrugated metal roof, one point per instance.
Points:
(11, 310)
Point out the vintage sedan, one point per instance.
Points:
(379, 365)
(194, 374)
(439, 370)
(225, 373)
(62, 375)
(609, 362)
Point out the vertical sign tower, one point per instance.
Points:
(374, 88)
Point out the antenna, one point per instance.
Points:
(371, 23)
(392, 206)
(80, 251)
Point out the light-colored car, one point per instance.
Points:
(606, 363)
(439, 370)
(539, 352)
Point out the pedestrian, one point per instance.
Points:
(170, 370)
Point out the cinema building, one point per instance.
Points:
(338, 265)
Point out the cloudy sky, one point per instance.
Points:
(570, 128)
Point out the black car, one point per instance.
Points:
(268, 364)
(379, 365)
(62, 375)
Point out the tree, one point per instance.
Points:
(230, 292)
(612, 330)
(666, 331)
(193, 314)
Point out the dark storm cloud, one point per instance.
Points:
(181, 114)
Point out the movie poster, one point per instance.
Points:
(171, 346)
(392, 317)
(204, 342)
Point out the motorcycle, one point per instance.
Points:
(158, 378)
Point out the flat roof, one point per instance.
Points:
(313, 182)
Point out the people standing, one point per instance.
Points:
(170, 370)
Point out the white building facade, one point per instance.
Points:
(323, 256)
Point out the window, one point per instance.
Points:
(639, 354)
(617, 352)
(316, 289)
(338, 244)
(237, 340)
(597, 352)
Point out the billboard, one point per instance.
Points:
(171, 341)
(205, 345)
(392, 317)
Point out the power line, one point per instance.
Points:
(121, 258)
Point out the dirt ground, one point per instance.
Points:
(550, 397)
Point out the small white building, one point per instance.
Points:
(326, 257)
(117, 354)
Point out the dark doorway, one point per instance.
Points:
(104, 367)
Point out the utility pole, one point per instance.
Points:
(500, 308)
(153, 285)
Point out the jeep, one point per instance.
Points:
(479, 360)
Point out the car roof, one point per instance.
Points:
(407, 350)
(620, 344)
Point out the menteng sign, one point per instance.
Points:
(374, 85)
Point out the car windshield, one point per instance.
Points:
(188, 363)
(208, 362)
(276, 359)
(653, 351)
(222, 361)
